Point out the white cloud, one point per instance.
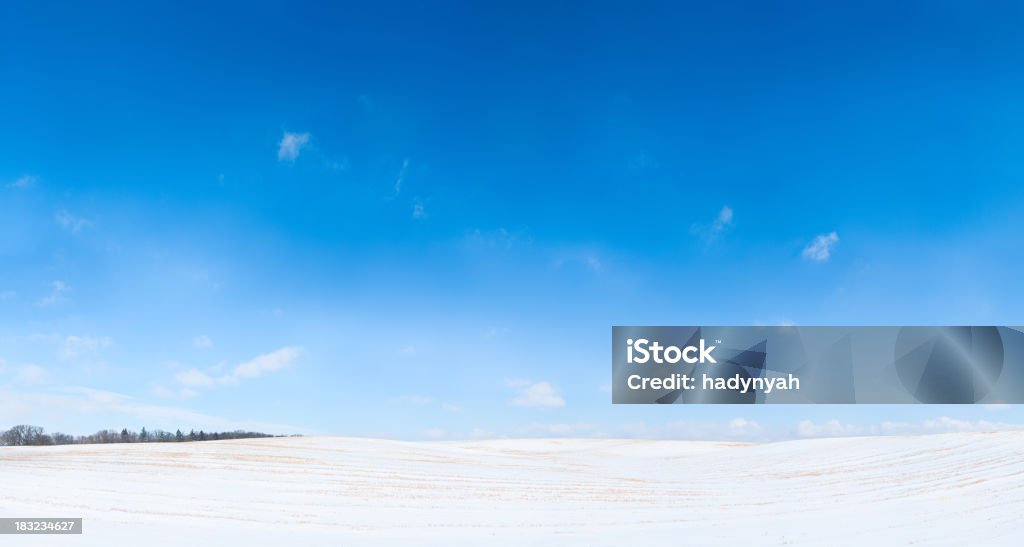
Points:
(581, 429)
(291, 145)
(418, 212)
(830, 428)
(500, 239)
(71, 222)
(254, 368)
(31, 374)
(434, 433)
(537, 395)
(64, 408)
(722, 223)
(736, 429)
(723, 220)
(996, 406)
(57, 291)
(950, 424)
(84, 349)
(589, 259)
(25, 181)
(76, 346)
(481, 433)
(943, 424)
(451, 407)
(337, 165)
(202, 342)
(744, 427)
(401, 176)
(164, 393)
(820, 249)
(195, 378)
(268, 362)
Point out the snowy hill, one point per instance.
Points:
(949, 489)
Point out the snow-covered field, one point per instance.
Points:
(955, 489)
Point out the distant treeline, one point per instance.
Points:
(30, 435)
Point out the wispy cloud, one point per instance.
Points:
(58, 289)
(425, 400)
(746, 429)
(202, 342)
(31, 374)
(736, 429)
(580, 429)
(500, 239)
(723, 220)
(8, 295)
(164, 393)
(77, 346)
(535, 394)
(481, 433)
(418, 211)
(820, 248)
(722, 223)
(254, 368)
(24, 182)
(401, 176)
(587, 258)
(72, 223)
(268, 362)
(943, 424)
(434, 433)
(829, 428)
(62, 406)
(291, 146)
(195, 378)
(742, 427)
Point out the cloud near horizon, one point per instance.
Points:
(52, 408)
(535, 395)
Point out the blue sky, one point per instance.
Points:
(421, 221)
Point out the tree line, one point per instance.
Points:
(31, 435)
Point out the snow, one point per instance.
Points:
(952, 489)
